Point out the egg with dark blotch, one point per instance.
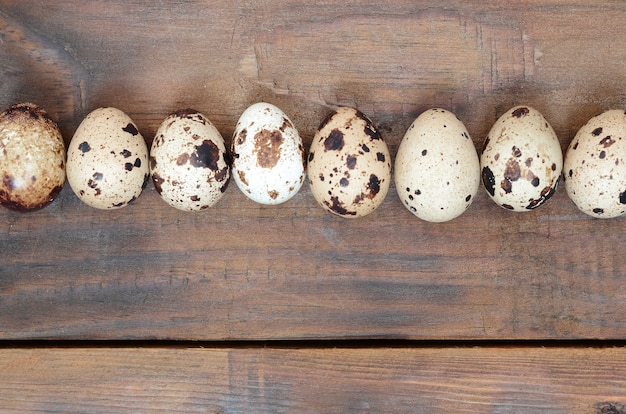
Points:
(349, 165)
(595, 166)
(521, 160)
(268, 155)
(437, 172)
(188, 161)
(107, 160)
(32, 158)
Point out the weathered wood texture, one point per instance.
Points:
(244, 271)
(471, 380)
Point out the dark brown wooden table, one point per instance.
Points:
(246, 308)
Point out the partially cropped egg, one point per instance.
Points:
(107, 160)
(437, 172)
(595, 166)
(268, 155)
(521, 160)
(32, 158)
(349, 165)
(189, 162)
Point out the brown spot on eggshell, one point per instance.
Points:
(267, 147)
(131, 129)
(241, 137)
(286, 124)
(273, 194)
(334, 141)
(206, 155)
(182, 159)
(351, 162)
(512, 171)
(8, 182)
(188, 113)
(242, 177)
(84, 147)
(520, 112)
(489, 181)
(373, 186)
(545, 195)
(607, 141)
(337, 207)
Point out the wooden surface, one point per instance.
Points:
(385, 380)
(241, 271)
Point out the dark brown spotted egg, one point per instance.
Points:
(107, 160)
(189, 162)
(268, 155)
(521, 160)
(595, 166)
(32, 158)
(437, 172)
(349, 166)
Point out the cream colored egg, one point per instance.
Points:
(107, 160)
(595, 166)
(437, 171)
(188, 161)
(521, 160)
(32, 158)
(349, 166)
(268, 155)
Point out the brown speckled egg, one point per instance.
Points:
(107, 160)
(32, 158)
(595, 166)
(521, 160)
(189, 162)
(349, 166)
(437, 172)
(268, 155)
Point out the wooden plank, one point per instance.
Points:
(244, 271)
(420, 380)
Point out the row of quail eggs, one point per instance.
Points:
(348, 166)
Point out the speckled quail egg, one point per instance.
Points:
(32, 158)
(595, 166)
(107, 160)
(189, 162)
(349, 166)
(521, 160)
(437, 172)
(268, 155)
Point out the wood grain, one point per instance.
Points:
(245, 271)
(426, 380)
